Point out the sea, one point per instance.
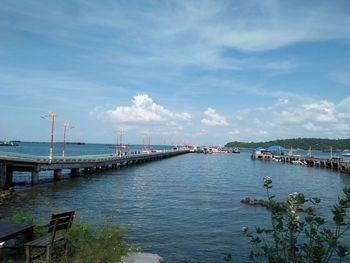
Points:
(185, 208)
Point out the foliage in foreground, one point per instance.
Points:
(296, 238)
(86, 243)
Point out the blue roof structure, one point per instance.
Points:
(277, 149)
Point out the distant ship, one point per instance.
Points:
(8, 143)
(79, 143)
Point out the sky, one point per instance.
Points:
(182, 72)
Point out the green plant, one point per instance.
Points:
(86, 242)
(104, 244)
(300, 238)
(26, 217)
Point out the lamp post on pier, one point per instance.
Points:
(119, 143)
(66, 126)
(52, 116)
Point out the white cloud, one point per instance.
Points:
(201, 133)
(144, 109)
(345, 103)
(262, 132)
(185, 32)
(292, 116)
(213, 118)
(242, 114)
(234, 132)
(322, 111)
(264, 109)
(344, 115)
(282, 102)
(311, 127)
(343, 127)
(271, 25)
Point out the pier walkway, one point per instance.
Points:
(11, 162)
(336, 163)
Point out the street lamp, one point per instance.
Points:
(66, 126)
(119, 143)
(149, 141)
(52, 116)
(146, 141)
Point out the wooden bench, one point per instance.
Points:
(62, 221)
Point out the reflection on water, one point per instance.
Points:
(185, 208)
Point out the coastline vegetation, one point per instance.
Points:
(86, 242)
(298, 143)
(294, 238)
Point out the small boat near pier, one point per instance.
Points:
(8, 143)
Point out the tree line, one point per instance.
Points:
(298, 143)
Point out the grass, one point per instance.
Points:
(86, 242)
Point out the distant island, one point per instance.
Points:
(298, 143)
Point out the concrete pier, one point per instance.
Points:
(335, 163)
(10, 162)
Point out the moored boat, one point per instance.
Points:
(8, 143)
(346, 152)
(236, 150)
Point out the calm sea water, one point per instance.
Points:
(185, 208)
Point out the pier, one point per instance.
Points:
(335, 163)
(86, 164)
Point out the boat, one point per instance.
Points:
(216, 150)
(236, 150)
(346, 152)
(8, 143)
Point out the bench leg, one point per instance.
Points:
(28, 254)
(48, 254)
(66, 248)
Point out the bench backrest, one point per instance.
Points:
(61, 221)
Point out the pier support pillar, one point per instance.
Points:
(9, 177)
(87, 171)
(57, 174)
(5, 177)
(35, 175)
(74, 172)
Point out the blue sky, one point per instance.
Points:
(199, 72)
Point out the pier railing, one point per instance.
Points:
(10, 162)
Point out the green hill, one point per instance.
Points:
(300, 143)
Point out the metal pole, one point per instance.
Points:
(149, 142)
(52, 115)
(121, 143)
(64, 138)
(117, 144)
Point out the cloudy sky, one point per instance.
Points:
(200, 72)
